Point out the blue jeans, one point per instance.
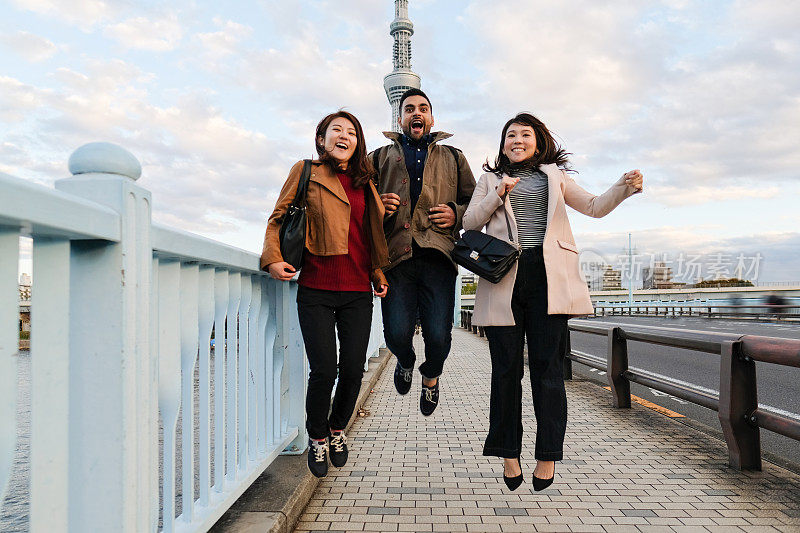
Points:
(423, 286)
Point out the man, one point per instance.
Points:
(425, 187)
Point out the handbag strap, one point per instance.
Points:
(508, 222)
(302, 186)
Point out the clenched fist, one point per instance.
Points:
(635, 179)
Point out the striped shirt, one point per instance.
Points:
(529, 204)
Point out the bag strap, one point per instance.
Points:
(454, 151)
(302, 186)
(375, 156)
(508, 222)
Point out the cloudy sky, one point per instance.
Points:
(217, 102)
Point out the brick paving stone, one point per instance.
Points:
(624, 469)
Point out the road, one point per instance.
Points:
(778, 387)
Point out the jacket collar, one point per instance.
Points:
(322, 174)
(437, 136)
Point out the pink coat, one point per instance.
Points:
(567, 293)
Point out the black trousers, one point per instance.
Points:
(350, 313)
(547, 345)
(423, 286)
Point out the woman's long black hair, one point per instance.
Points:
(547, 149)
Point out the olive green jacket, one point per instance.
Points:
(445, 180)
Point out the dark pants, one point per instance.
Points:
(547, 344)
(351, 313)
(424, 285)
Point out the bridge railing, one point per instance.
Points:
(740, 415)
(708, 310)
(167, 370)
(737, 402)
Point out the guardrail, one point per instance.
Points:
(737, 402)
(122, 322)
(779, 312)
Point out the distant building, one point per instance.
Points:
(612, 279)
(25, 302)
(24, 287)
(658, 276)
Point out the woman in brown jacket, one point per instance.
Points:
(345, 251)
(529, 186)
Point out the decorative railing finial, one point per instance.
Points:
(104, 158)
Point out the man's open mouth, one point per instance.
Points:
(417, 124)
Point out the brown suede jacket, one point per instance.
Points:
(327, 219)
(445, 180)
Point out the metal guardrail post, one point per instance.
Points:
(738, 400)
(617, 364)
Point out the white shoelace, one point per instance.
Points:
(338, 441)
(319, 451)
(407, 374)
(428, 394)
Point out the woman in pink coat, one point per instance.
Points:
(529, 184)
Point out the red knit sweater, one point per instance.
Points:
(349, 272)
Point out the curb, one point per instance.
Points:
(275, 501)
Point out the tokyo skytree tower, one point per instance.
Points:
(401, 78)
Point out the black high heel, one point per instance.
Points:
(541, 484)
(513, 483)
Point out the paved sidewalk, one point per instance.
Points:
(624, 469)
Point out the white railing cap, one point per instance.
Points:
(104, 158)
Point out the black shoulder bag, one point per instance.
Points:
(293, 229)
(489, 257)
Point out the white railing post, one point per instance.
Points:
(293, 389)
(112, 418)
(50, 368)
(9, 342)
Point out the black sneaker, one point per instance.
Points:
(318, 457)
(402, 379)
(338, 448)
(429, 399)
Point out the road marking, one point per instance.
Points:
(655, 407)
(664, 394)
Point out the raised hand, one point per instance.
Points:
(635, 179)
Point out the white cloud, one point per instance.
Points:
(626, 93)
(85, 14)
(31, 47)
(142, 33)
(703, 194)
(223, 43)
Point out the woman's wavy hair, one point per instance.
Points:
(359, 167)
(547, 149)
